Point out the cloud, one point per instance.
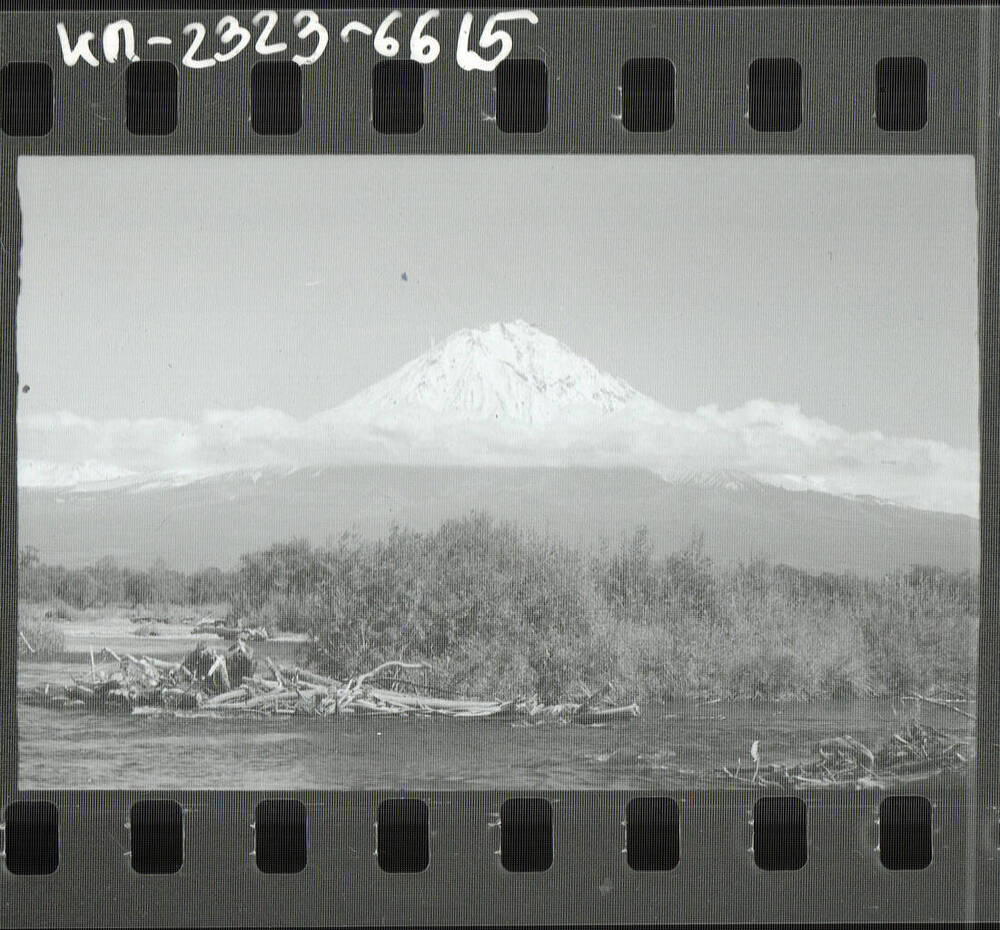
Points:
(779, 444)
(784, 446)
(776, 443)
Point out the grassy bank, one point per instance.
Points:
(500, 612)
(39, 641)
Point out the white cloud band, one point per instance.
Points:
(773, 442)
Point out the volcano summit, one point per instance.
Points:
(508, 373)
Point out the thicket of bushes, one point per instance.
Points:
(500, 611)
(107, 583)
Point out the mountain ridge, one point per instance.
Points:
(217, 519)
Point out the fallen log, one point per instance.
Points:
(372, 707)
(948, 705)
(554, 710)
(605, 715)
(162, 664)
(264, 699)
(402, 699)
(268, 683)
(311, 677)
(226, 697)
(360, 680)
(507, 709)
(274, 668)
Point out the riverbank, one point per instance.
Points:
(172, 640)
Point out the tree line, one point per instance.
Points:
(106, 583)
(500, 611)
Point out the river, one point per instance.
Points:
(682, 746)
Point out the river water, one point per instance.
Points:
(682, 745)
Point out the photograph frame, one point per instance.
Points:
(837, 49)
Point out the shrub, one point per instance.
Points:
(59, 610)
(283, 611)
(46, 639)
(502, 612)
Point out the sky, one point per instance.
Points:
(165, 287)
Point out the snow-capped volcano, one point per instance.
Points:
(510, 374)
(507, 396)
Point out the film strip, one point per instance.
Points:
(499, 466)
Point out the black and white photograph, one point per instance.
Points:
(462, 472)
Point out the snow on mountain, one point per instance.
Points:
(510, 374)
(721, 479)
(33, 473)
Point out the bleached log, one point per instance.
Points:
(146, 667)
(373, 707)
(311, 690)
(416, 700)
(219, 668)
(311, 677)
(945, 704)
(234, 695)
(264, 699)
(495, 712)
(274, 668)
(268, 683)
(162, 664)
(361, 679)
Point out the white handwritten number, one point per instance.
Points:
(312, 27)
(199, 32)
(424, 48)
(229, 30)
(270, 20)
(469, 60)
(383, 43)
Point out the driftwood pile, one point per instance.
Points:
(209, 682)
(919, 751)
